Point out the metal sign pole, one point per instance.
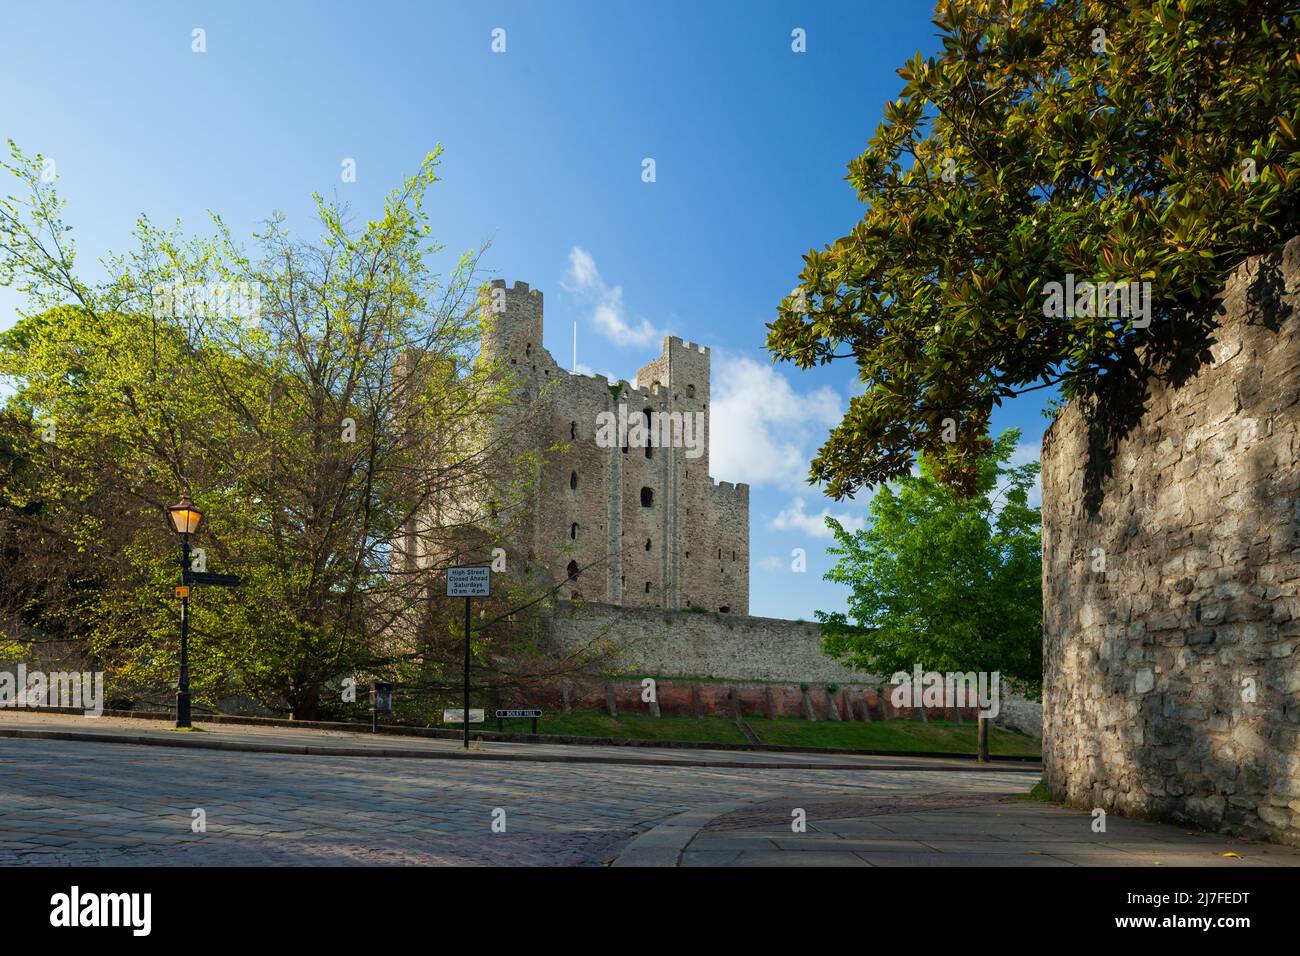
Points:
(468, 582)
(465, 715)
(183, 686)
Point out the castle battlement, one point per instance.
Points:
(673, 341)
(519, 288)
(635, 526)
(726, 489)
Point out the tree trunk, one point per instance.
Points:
(307, 706)
(982, 740)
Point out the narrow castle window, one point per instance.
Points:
(725, 609)
(528, 349)
(573, 531)
(647, 498)
(573, 480)
(719, 554)
(572, 570)
(690, 391)
(647, 587)
(733, 556)
(573, 429)
(647, 544)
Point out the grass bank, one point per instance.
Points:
(937, 736)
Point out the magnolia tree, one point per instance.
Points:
(1045, 199)
(321, 400)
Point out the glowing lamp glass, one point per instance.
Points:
(185, 517)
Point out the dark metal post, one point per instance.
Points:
(465, 714)
(183, 689)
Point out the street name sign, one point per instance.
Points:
(215, 580)
(525, 712)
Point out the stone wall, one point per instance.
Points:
(676, 697)
(643, 526)
(697, 644)
(1171, 574)
(764, 662)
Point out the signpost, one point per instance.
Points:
(214, 580)
(469, 583)
(185, 520)
(188, 580)
(532, 712)
(381, 698)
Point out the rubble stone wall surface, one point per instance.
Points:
(769, 659)
(1171, 578)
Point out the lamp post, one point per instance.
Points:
(185, 520)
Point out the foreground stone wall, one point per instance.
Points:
(1171, 579)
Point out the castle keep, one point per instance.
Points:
(627, 510)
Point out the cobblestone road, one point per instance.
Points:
(68, 802)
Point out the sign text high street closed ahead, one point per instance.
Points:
(469, 582)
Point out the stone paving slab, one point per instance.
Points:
(996, 833)
(958, 859)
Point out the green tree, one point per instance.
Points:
(1147, 141)
(329, 424)
(945, 581)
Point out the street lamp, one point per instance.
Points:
(185, 520)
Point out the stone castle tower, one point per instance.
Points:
(629, 525)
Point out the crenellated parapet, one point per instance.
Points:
(661, 531)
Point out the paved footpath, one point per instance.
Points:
(108, 802)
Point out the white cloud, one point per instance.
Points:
(797, 518)
(763, 431)
(584, 369)
(582, 269)
(771, 563)
(608, 313)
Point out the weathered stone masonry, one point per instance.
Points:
(647, 527)
(1172, 681)
(713, 663)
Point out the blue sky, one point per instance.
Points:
(544, 151)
